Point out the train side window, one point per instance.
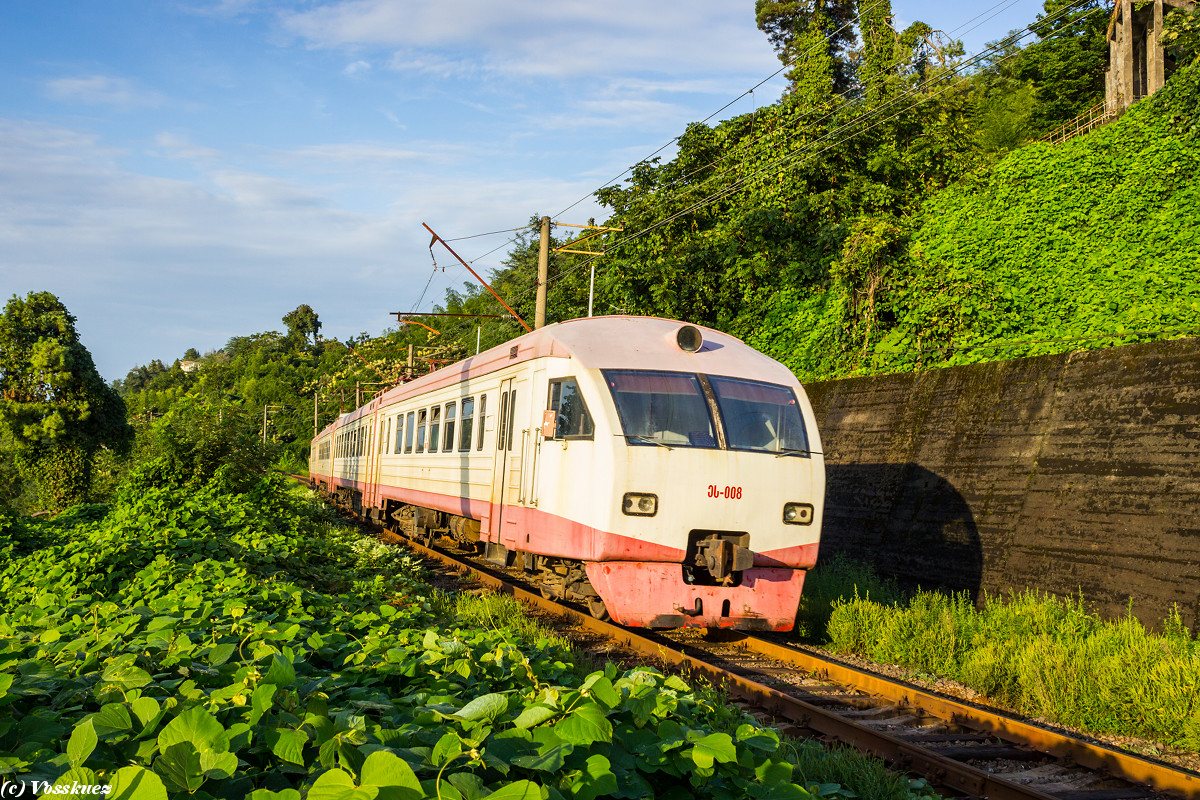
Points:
(448, 441)
(468, 421)
(385, 438)
(572, 420)
(500, 437)
(422, 417)
(399, 432)
(512, 417)
(482, 418)
(411, 427)
(435, 426)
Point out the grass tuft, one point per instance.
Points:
(1043, 655)
(839, 578)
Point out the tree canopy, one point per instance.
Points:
(55, 408)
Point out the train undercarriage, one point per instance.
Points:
(715, 564)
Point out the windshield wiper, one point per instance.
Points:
(790, 452)
(644, 439)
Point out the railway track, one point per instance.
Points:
(962, 749)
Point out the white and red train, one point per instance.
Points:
(663, 474)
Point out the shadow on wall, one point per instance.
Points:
(910, 523)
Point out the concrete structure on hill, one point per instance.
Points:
(1138, 65)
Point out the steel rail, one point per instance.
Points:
(905, 755)
(1101, 758)
(1119, 764)
(901, 754)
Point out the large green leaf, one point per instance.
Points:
(112, 719)
(385, 769)
(549, 759)
(488, 707)
(288, 744)
(595, 779)
(334, 784)
(586, 724)
(601, 688)
(218, 766)
(77, 776)
(136, 783)
(266, 794)
(197, 727)
(714, 747)
(281, 672)
(123, 672)
(535, 715)
(145, 709)
(260, 701)
(179, 764)
(521, 790)
(82, 743)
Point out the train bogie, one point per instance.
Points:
(659, 473)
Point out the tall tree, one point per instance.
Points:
(1066, 65)
(302, 322)
(812, 36)
(879, 49)
(54, 406)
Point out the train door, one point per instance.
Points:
(532, 439)
(511, 435)
(378, 441)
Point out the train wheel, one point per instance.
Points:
(597, 609)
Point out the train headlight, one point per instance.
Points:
(635, 504)
(797, 514)
(689, 338)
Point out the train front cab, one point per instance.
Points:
(696, 499)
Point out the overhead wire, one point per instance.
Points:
(917, 89)
(807, 152)
(790, 131)
(786, 65)
(675, 139)
(874, 112)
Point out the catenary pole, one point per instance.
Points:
(539, 316)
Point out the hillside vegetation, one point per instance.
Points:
(1100, 235)
(911, 221)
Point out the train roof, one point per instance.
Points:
(609, 342)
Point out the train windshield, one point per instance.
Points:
(661, 408)
(760, 416)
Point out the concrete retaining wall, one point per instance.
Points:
(1071, 473)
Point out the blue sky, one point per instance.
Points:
(182, 171)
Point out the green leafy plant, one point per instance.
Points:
(228, 638)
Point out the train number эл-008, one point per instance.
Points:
(729, 492)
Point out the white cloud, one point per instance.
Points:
(569, 38)
(358, 153)
(356, 68)
(103, 90)
(152, 266)
(174, 145)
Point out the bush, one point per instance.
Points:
(835, 580)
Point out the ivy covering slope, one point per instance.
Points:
(216, 642)
(1099, 235)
